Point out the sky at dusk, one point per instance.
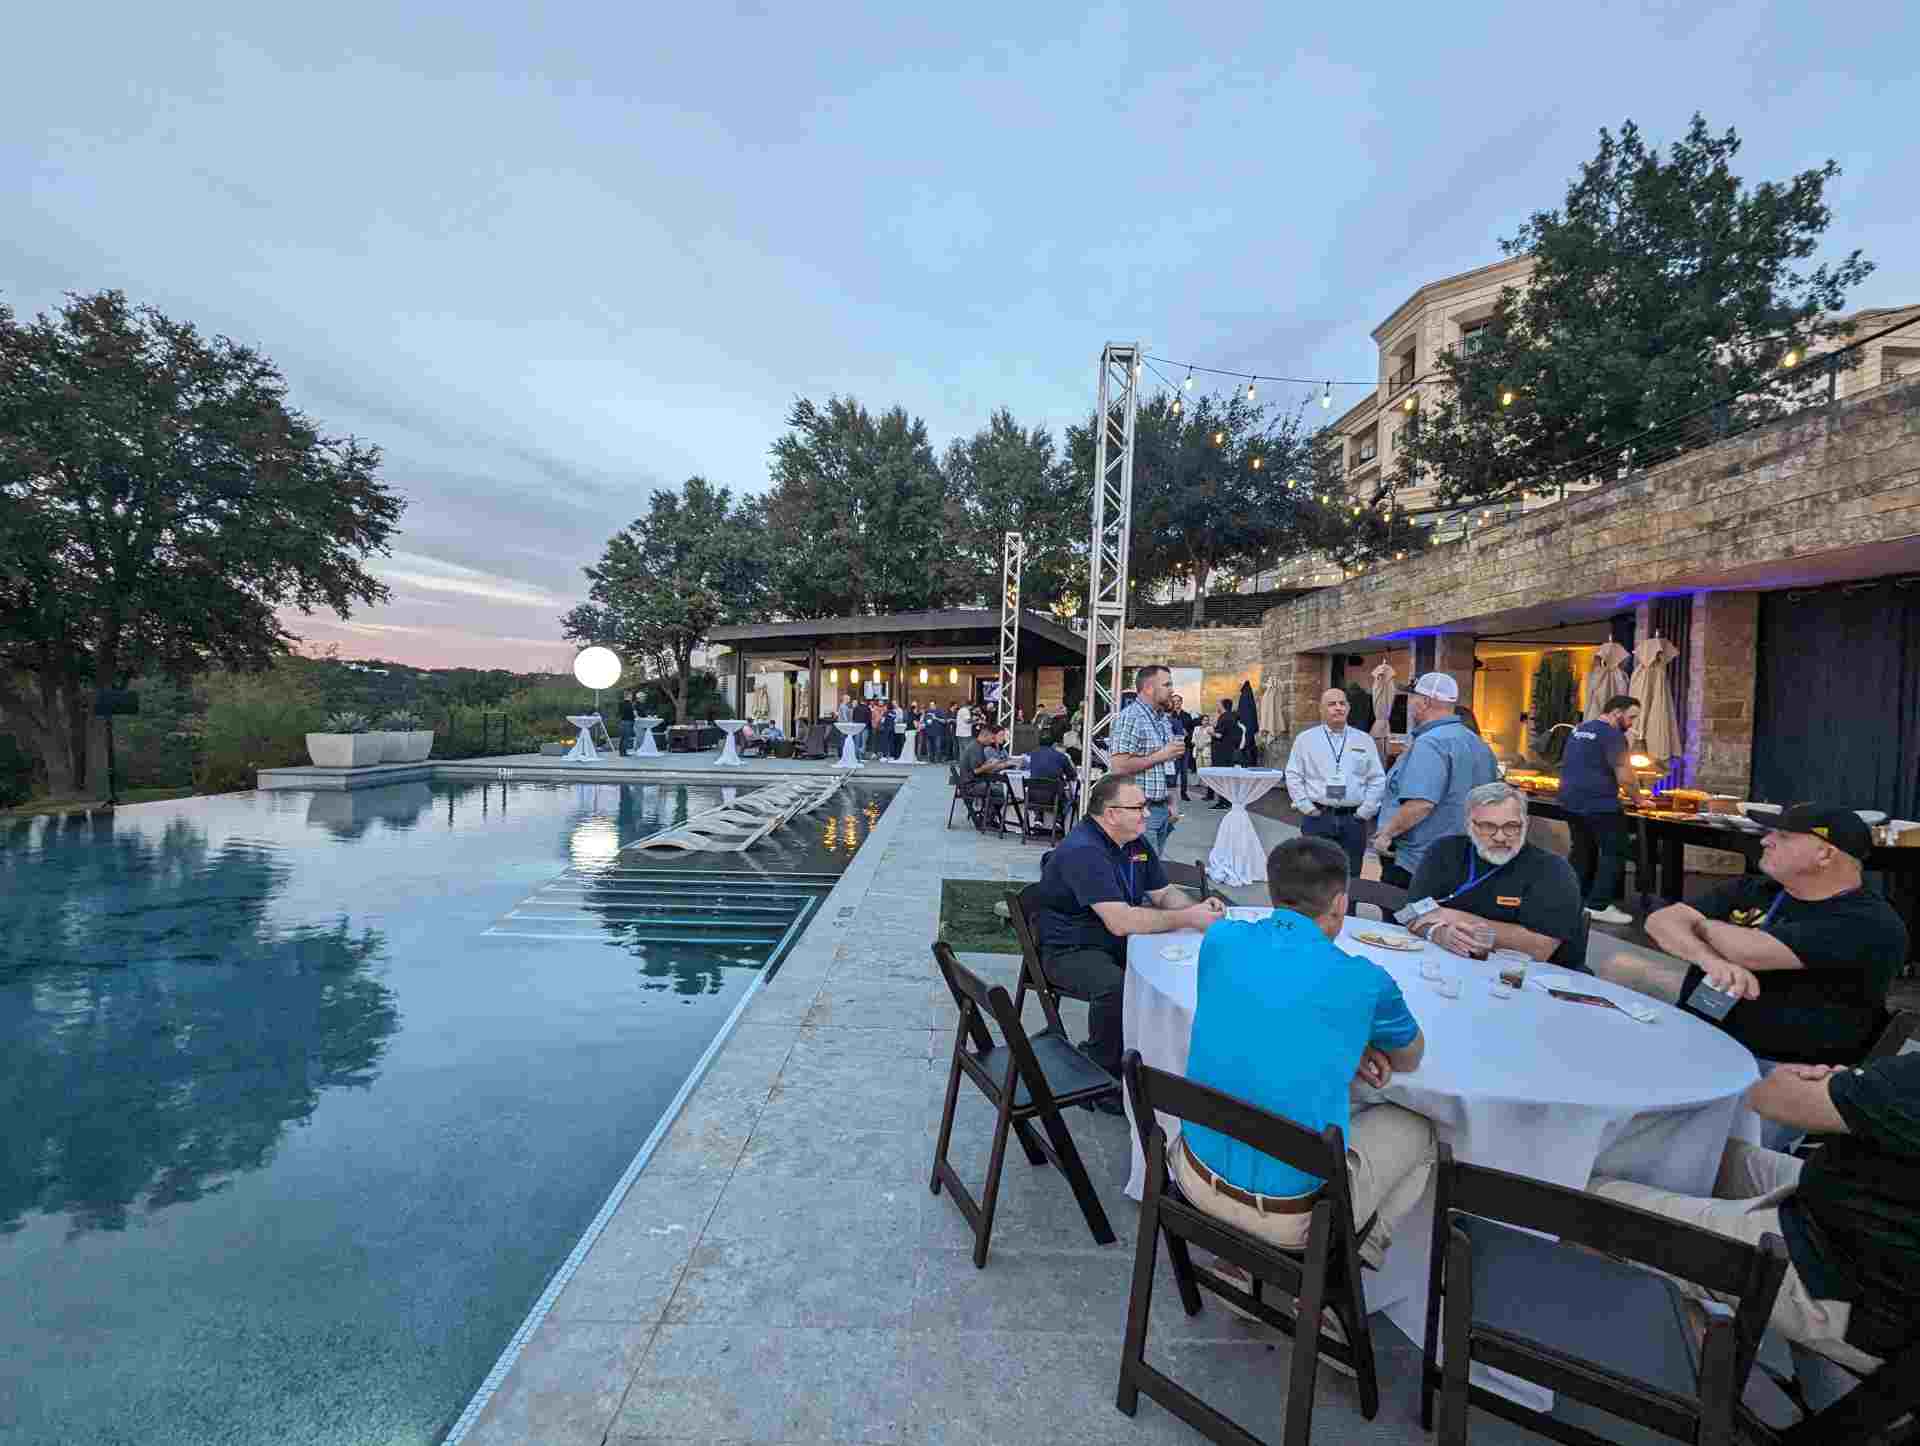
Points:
(550, 258)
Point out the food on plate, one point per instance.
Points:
(1380, 939)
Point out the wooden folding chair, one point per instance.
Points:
(973, 795)
(1882, 1409)
(1597, 1328)
(1384, 900)
(1191, 877)
(1324, 1273)
(1021, 909)
(1046, 800)
(1026, 1078)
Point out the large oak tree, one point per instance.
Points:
(1662, 287)
(160, 502)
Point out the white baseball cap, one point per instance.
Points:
(1439, 686)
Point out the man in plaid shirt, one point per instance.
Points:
(1144, 749)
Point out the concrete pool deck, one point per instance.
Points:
(780, 1273)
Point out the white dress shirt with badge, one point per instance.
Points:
(1338, 769)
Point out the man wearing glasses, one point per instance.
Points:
(1102, 884)
(1497, 891)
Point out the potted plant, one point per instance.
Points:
(407, 741)
(344, 742)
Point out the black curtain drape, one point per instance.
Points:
(1837, 699)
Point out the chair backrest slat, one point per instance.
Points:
(975, 997)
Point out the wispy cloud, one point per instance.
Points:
(430, 574)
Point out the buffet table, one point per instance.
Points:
(1543, 1087)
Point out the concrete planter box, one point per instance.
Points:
(346, 750)
(390, 743)
(411, 746)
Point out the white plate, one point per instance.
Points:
(1176, 951)
(1247, 915)
(1554, 981)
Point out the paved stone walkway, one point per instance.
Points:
(780, 1273)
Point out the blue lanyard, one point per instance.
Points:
(1345, 743)
(1771, 910)
(1474, 876)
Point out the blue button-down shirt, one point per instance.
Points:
(1444, 762)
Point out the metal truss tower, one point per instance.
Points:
(1107, 558)
(1012, 558)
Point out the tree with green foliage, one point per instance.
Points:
(860, 516)
(697, 560)
(160, 504)
(1223, 489)
(1007, 478)
(1663, 287)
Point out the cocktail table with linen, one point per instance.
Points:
(1237, 856)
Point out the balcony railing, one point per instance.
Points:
(1368, 453)
(1399, 381)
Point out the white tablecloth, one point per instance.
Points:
(848, 757)
(729, 754)
(1237, 857)
(1531, 1084)
(648, 748)
(583, 750)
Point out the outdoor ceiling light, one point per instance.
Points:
(597, 668)
(833, 676)
(923, 675)
(855, 675)
(953, 675)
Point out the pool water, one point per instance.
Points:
(304, 1097)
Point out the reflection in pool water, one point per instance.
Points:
(290, 1137)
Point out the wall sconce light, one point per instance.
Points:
(833, 676)
(953, 675)
(855, 675)
(923, 675)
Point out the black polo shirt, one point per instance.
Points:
(1087, 869)
(1852, 1224)
(1536, 890)
(1830, 1011)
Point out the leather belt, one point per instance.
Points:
(1338, 808)
(1265, 1204)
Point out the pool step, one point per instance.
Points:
(666, 906)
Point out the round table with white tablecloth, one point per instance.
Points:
(848, 757)
(1539, 1086)
(1237, 857)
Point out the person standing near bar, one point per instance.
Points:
(1595, 768)
(1143, 749)
(1335, 780)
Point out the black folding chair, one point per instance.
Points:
(1046, 802)
(1901, 1036)
(1597, 1328)
(1026, 1078)
(1021, 908)
(971, 795)
(1384, 900)
(1324, 1273)
(1191, 877)
(1882, 1409)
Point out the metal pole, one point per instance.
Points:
(1107, 557)
(1013, 556)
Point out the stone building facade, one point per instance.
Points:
(1826, 496)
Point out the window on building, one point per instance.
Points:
(1897, 362)
(1403, 369)
(1368, 448)
(1473, 336)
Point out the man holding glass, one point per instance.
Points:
(1494, 890)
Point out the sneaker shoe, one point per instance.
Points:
(1609, 915)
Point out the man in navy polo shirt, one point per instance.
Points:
(1102, 884)
(1593, 770)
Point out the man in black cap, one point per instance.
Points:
(1804, 949)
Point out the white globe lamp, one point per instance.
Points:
(597, 668)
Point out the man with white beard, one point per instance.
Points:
(1494, 890)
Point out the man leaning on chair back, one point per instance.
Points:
(1285, 1020)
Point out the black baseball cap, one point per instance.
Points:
(1841, 827)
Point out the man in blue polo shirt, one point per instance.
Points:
(1288, 1022)
(1427, 789)
(1593, 770)
(1101, 885)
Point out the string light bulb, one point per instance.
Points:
(1219, 438)
(1256, 464)
(1249, 388)
(1407, 406)
(1790, 360)
(1506, 399)
(1189, 381)
(1326, 397)
(1176, 406)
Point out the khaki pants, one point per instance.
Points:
(1746, 1206)
(1389, 1157)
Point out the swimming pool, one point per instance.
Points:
(303, 1097)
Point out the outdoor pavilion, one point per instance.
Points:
(947, 656)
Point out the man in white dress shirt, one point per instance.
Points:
(1335, 780)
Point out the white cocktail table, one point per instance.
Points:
(648, 748)
(729, 755)
(583, 750)
(848, 758)
(1237, 857)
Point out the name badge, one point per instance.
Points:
(1507, 901)
(1418, 909)
(1336, 792)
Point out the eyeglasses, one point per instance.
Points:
(1127, 808)
(1500, 830)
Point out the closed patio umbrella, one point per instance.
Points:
(1382, 700)
(1658, 732)
(1270, 721)
(1249, 712)
(1606, 678)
